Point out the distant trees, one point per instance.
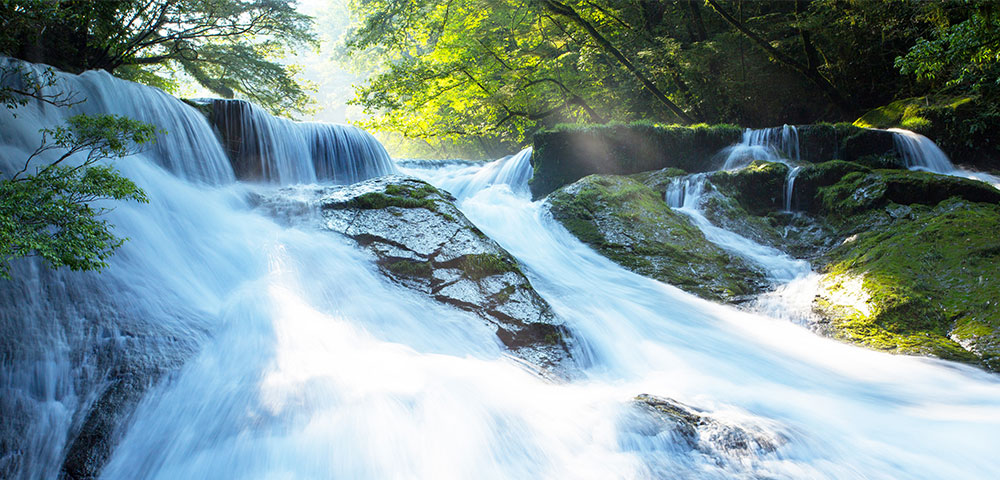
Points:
(490, 72)
(230, 47)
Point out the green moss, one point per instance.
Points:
(630, 224)
(963, 126)
(410, 268)
(910, 113)
(859, 191)
(504, 295)
(396, 195)
(929, 279)
(483, 265)
(759, 188)
(376, 200)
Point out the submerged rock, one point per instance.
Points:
(631, 224)
(421, 240)
(698, 430)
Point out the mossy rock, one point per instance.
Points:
(860, 191)
(963, 126)
(812, 177)
(759, 187)
(660, 179)
(924, 284)
(630, 223)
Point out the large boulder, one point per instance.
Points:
(631, 224)
(421, 240)
(919, 280)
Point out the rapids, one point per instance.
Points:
(294, 358)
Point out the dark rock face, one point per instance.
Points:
(699, 431)
(564, 156)
(759, 187)
(631, 224)
(421, 240)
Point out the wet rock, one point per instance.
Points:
(860, 191)
(421, 240)
(563, 156)
(631, 224)
(700, 431)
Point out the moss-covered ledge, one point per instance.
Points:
(629, 223)
(925, 284)
(568, 153)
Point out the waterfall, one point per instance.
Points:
(686, 191)
(251, 349)
(685, 194)
(464, 178)
(790, 186)
(271, 149)
(920, 152)
(776, 144)
(186, 146)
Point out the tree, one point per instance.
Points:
(48, 208)
(230, 47)
(964, 55)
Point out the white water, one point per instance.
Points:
(285, 152)
(312, 366)
(921, 153)
(776, 144)
(685, 194)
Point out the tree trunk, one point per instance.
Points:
(561, 9)
(811, 73)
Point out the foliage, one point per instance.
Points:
(230, 47)
(490, 73)
(965, 54)
(51, 212)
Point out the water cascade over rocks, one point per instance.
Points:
(271, 149)
(921, 153)
(236, 339)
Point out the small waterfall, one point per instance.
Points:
(463, 179)
(686, 191)
(685, 195)
(920, 152)
(271, 149)
(790, 186)
(776, 144)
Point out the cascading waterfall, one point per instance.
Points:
(685, 194)
(790, 186)
(272, 149)
(462, 178)
(776, 144)
(290, 356)
(921, 153)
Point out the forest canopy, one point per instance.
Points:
(230, 47)
(485, 74)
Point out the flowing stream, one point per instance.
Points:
(297, 359)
